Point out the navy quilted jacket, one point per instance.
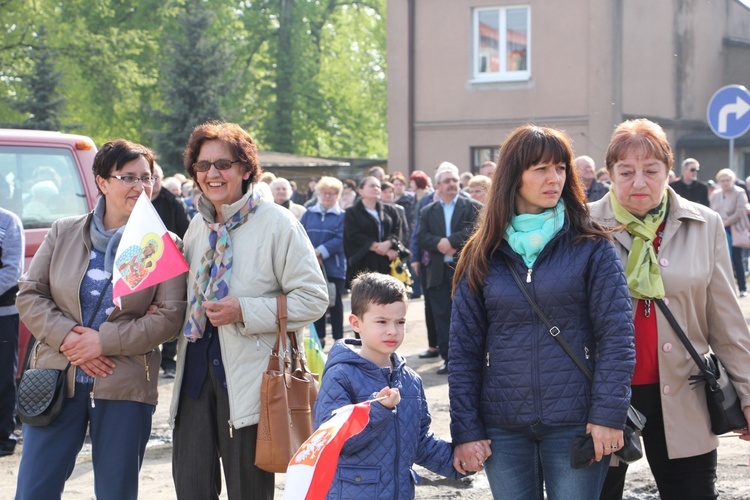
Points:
(507, 370)
(377, 463)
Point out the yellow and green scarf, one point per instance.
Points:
(642, 269)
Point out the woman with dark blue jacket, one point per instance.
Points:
(324, 223)
(513, 387)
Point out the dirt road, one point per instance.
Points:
(156, 475)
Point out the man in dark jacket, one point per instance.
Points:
(444, 227)
(173, 213)
(688, 186)
(586, 170)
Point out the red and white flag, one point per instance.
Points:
(311, 470)
(147, 255)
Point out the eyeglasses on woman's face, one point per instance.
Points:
(222, 164)
(132, 180)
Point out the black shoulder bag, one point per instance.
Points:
(721, 397)
(41, 391)
(582, 448)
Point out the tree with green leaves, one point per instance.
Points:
(193, 81)
(42, 106)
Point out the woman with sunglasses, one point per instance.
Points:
(243, 251)
(65, 300)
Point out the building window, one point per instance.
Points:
(502, 44)
(480, 154)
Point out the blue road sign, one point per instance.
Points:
(729, 111)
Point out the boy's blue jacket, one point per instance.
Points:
(377, 463)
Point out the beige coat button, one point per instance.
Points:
(667, 347)
(664, 262)
(666, 301)
(666, 390)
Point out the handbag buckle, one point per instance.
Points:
(554, 331)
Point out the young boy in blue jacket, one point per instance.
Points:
(377, 463)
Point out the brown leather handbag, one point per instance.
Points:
(287, 395)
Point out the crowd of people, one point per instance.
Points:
(538, 233)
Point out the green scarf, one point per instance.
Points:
(642, 268)
(528, 234)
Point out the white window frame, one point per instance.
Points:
(503, 75)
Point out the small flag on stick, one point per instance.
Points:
(147, 255)
(311, 470)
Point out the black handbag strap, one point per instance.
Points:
(553, 330)
(709, 377)
(634, 416)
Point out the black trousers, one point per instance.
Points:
(201, 439)
(677, 479)
(441, 304)
(429, 319)
(8, 368)
(337, 313)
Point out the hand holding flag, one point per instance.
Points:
(311, 470)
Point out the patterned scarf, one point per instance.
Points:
(528, 234)
(212, 279)
(642, 269)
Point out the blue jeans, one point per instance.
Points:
(524, 459)
(119, 431)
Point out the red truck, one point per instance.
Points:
(44, 176)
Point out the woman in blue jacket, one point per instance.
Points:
(324, 223)
(512, 386)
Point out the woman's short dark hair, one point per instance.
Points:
(240, 143)
(114, 155)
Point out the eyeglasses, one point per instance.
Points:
(132, 180)
(205, 166)
(695, 169)
(329, 193)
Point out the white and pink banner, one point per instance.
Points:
(147, 255)
(311, 470)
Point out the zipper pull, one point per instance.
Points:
(488, 358)
(586, 352)
(257, 344)
(91, 395)
(528, 276)
(230, 429)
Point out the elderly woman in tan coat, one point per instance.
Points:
(729, 201)
(676, 250)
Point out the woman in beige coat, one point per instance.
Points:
(675, 250)
(729, 201)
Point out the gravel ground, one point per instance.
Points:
(156, 475)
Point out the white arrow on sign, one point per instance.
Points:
(738, 109)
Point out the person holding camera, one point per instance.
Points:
(370, 227)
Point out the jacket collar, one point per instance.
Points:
(318, 208)
(680, 210)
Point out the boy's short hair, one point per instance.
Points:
(375, 288)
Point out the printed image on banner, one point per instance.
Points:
(136, 261)
(312, 468)
(146, 255)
